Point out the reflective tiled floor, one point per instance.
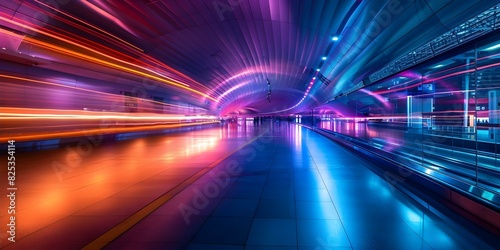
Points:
(286, 188)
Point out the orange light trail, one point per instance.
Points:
(26, 124)
(152, 60)
(66, 40)
(98, 131)
(163, 78)
(29, 113)
(116, 66)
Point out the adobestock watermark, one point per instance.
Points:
(420, 148)
(222, 179)
(11, 41)
(75, 154)
(223, 6)
(212, 189)
(381, 20)
(384, 17)
(49, 7)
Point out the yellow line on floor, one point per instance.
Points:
(128, 223)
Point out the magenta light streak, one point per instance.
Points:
(411, 74)
(108, 16)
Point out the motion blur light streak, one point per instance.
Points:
(39, 135)
(109, 16)
(78, 114)
(107, 96)
(48, 124)
(127, 58)
(113, 65)
(65, 51)
(88, 24)
(53, 84)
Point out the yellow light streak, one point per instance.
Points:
(97, 131)
(28, 113)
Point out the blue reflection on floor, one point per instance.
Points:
(303, 191)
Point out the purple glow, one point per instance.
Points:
(377, 96)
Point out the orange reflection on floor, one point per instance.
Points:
(57, 187)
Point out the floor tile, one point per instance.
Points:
(269, 248)
(134, 245)
(310, 194)
(244, 192)
(377, 234)
(224, 230)
(276, 209)
(278, 193)
(163, 228)
(115, 206)
(236, 208)
(322, 233)
(273, 232)
(197, 246)
(316, 210)
(441, 235)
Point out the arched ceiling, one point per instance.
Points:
(219, 54)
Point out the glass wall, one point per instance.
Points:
(441, 118)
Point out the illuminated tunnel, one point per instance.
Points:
(250, 124)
